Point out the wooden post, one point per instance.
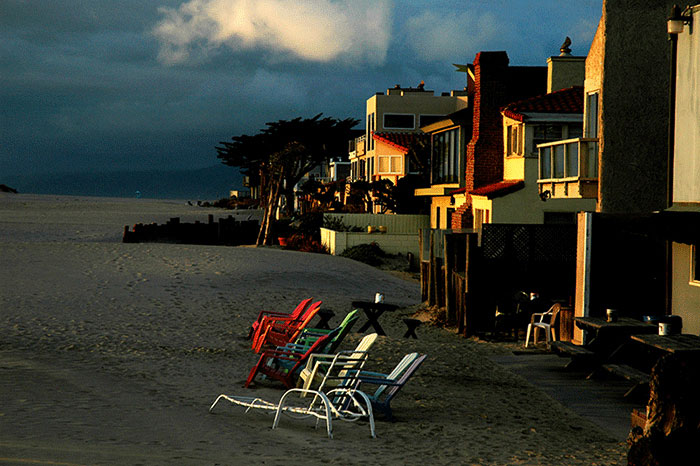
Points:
(447, 265)
(431, 271)
(423, 290)
(466, 324)
(448, 289)
(437, 282)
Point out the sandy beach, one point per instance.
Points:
(111, 353)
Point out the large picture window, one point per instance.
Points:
(445, 157)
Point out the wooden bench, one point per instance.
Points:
(579, 355)
(640, 379)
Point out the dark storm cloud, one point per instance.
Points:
(82, 88)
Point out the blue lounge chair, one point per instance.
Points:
(390, 384)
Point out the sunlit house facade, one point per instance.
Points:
(620, 159)
(448, 142)
(526, 124)
(685, 181)
(399, 110)
(622, 162)
(467, 147)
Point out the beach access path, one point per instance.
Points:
(111, 353)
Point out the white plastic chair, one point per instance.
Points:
(544, 321)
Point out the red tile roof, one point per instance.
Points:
(498, 189)
(569, 100)
(399, 140)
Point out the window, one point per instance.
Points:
(514, 140)
(575, 130)
(425, 120)
(560, 160)
(546, 164)
(413, 168)
(481, 216)
(390, 164)
(592, 115)
(399, 121)
(445, 157)
(694, 266)
(370, 129)
(546, 133)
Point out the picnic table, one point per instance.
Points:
(609, 336)
(682, 343)
(610, 344)
(373, 311)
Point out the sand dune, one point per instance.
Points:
(111, 353)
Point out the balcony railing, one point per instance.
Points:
(360, 148)
(569, 168)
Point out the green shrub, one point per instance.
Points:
(370, 254)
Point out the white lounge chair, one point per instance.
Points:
(345, 402)
(318, 365)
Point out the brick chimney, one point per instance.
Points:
(484, 164)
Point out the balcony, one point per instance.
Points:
(357, 147)
(569, 168)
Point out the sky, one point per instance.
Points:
(112, 85)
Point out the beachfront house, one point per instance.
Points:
(621, 162)
(527, 124)
(448, 143)
(685, 180)
(468, 154)
(389, 117)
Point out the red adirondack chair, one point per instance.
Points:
(266, 316)
(283, 320)
(283, 331)
(284, 364)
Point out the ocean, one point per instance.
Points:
(204, 184)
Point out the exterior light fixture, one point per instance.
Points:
(677, 20)
(545, 195)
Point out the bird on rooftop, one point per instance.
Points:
(565, 50)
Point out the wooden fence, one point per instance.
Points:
(469, 273)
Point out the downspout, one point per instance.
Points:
(671, 119)
(669, 168)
